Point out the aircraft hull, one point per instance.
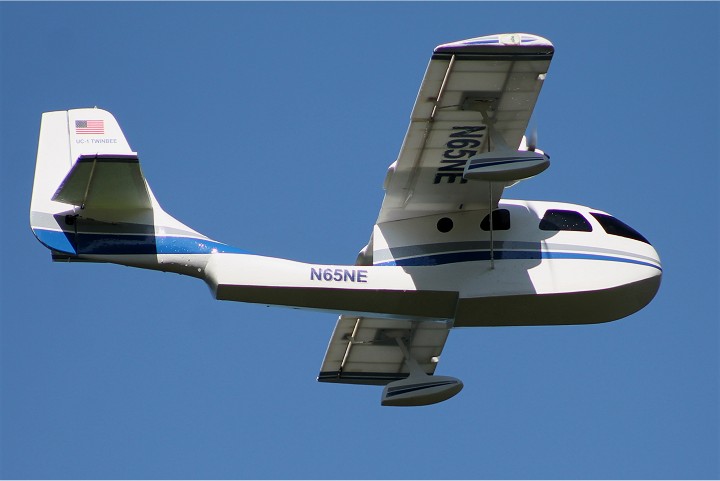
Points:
(582, 307)
(553, 291)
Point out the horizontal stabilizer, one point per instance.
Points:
(105, 181)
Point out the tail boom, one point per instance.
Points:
(353, 290)
(92, 203)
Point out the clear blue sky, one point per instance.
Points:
(270, 126)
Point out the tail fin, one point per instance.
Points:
(90, 200)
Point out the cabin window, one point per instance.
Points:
(445, 225)
(556, 219)
(500, 220)
(617, 227)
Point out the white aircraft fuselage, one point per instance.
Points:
(530, 276)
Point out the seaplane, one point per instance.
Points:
(447, 249)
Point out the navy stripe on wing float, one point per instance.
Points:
(396, 391)
(503, 161)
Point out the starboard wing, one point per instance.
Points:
(363, 350)
(499, 74)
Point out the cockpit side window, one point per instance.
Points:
(617, 227)
(501, 220)
(556, 219)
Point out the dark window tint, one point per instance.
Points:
(616, 227)
(501, 220)
(555, 219)
(445, 225)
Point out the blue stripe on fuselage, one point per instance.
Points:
(484, 255)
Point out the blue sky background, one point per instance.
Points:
(270, 126)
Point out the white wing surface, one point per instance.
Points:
(497, 76)
(363, 350)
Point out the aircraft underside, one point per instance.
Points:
(447, 250)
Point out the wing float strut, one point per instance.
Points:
(418, 389)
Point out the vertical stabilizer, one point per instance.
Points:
(65, 136)
(67, 140)
(91, 201)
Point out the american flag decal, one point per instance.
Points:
(89, 127)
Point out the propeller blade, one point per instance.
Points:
(532, 140)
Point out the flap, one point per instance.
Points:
(500, 75)
(363, 350)
(105, 181)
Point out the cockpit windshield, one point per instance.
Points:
(614, 226)
(557, 219)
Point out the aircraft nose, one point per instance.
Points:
(653, 256)
(646, 249)
(648, 284)
(657, 258)
(642, 249)
(647, 288)
(647, 275)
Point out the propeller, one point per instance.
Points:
(532, 140)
